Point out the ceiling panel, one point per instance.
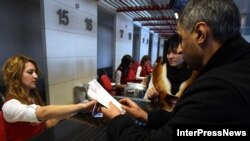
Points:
(157, 15)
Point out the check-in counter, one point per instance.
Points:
(79, 127)
(83, 126)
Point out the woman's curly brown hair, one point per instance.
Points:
(12, 75)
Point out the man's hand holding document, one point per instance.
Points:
(98, 93)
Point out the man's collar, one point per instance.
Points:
(225, 54)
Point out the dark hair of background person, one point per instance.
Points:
(144, 59)
(170, 46)
(158, 59)
(125, 64)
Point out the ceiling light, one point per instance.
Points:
(176, 15)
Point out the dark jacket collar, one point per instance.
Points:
(231, 50)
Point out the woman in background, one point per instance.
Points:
(124, 73)
(144, 69)
(158, 60)
(24, 112)
(173, 62)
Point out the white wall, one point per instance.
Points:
(144, 45)
(71, 49)
(123, 45)
(161, 47)
(154, 48)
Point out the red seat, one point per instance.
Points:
(106, 83)
(2, 128)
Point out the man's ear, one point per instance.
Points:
(201, 32)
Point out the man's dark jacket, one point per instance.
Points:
(220, 97)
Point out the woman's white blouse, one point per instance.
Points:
(118, 76)
(15, 111)
(138, 73)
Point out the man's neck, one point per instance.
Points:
(210, 49)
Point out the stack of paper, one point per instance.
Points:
(97, 92)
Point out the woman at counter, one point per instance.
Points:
(25, 115)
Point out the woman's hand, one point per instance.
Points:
(88, 106)
(132, 108)
(145, 81)
(152, 93)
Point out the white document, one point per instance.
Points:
(97, 92)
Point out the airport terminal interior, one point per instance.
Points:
(74, 41)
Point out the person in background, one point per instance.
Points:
(217, 99)
(24, 112)
(144, 69)
(175, 66)
(158, 60)
(124, 73)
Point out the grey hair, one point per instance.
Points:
(221, 15)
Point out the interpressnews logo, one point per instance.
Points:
(201, 132)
